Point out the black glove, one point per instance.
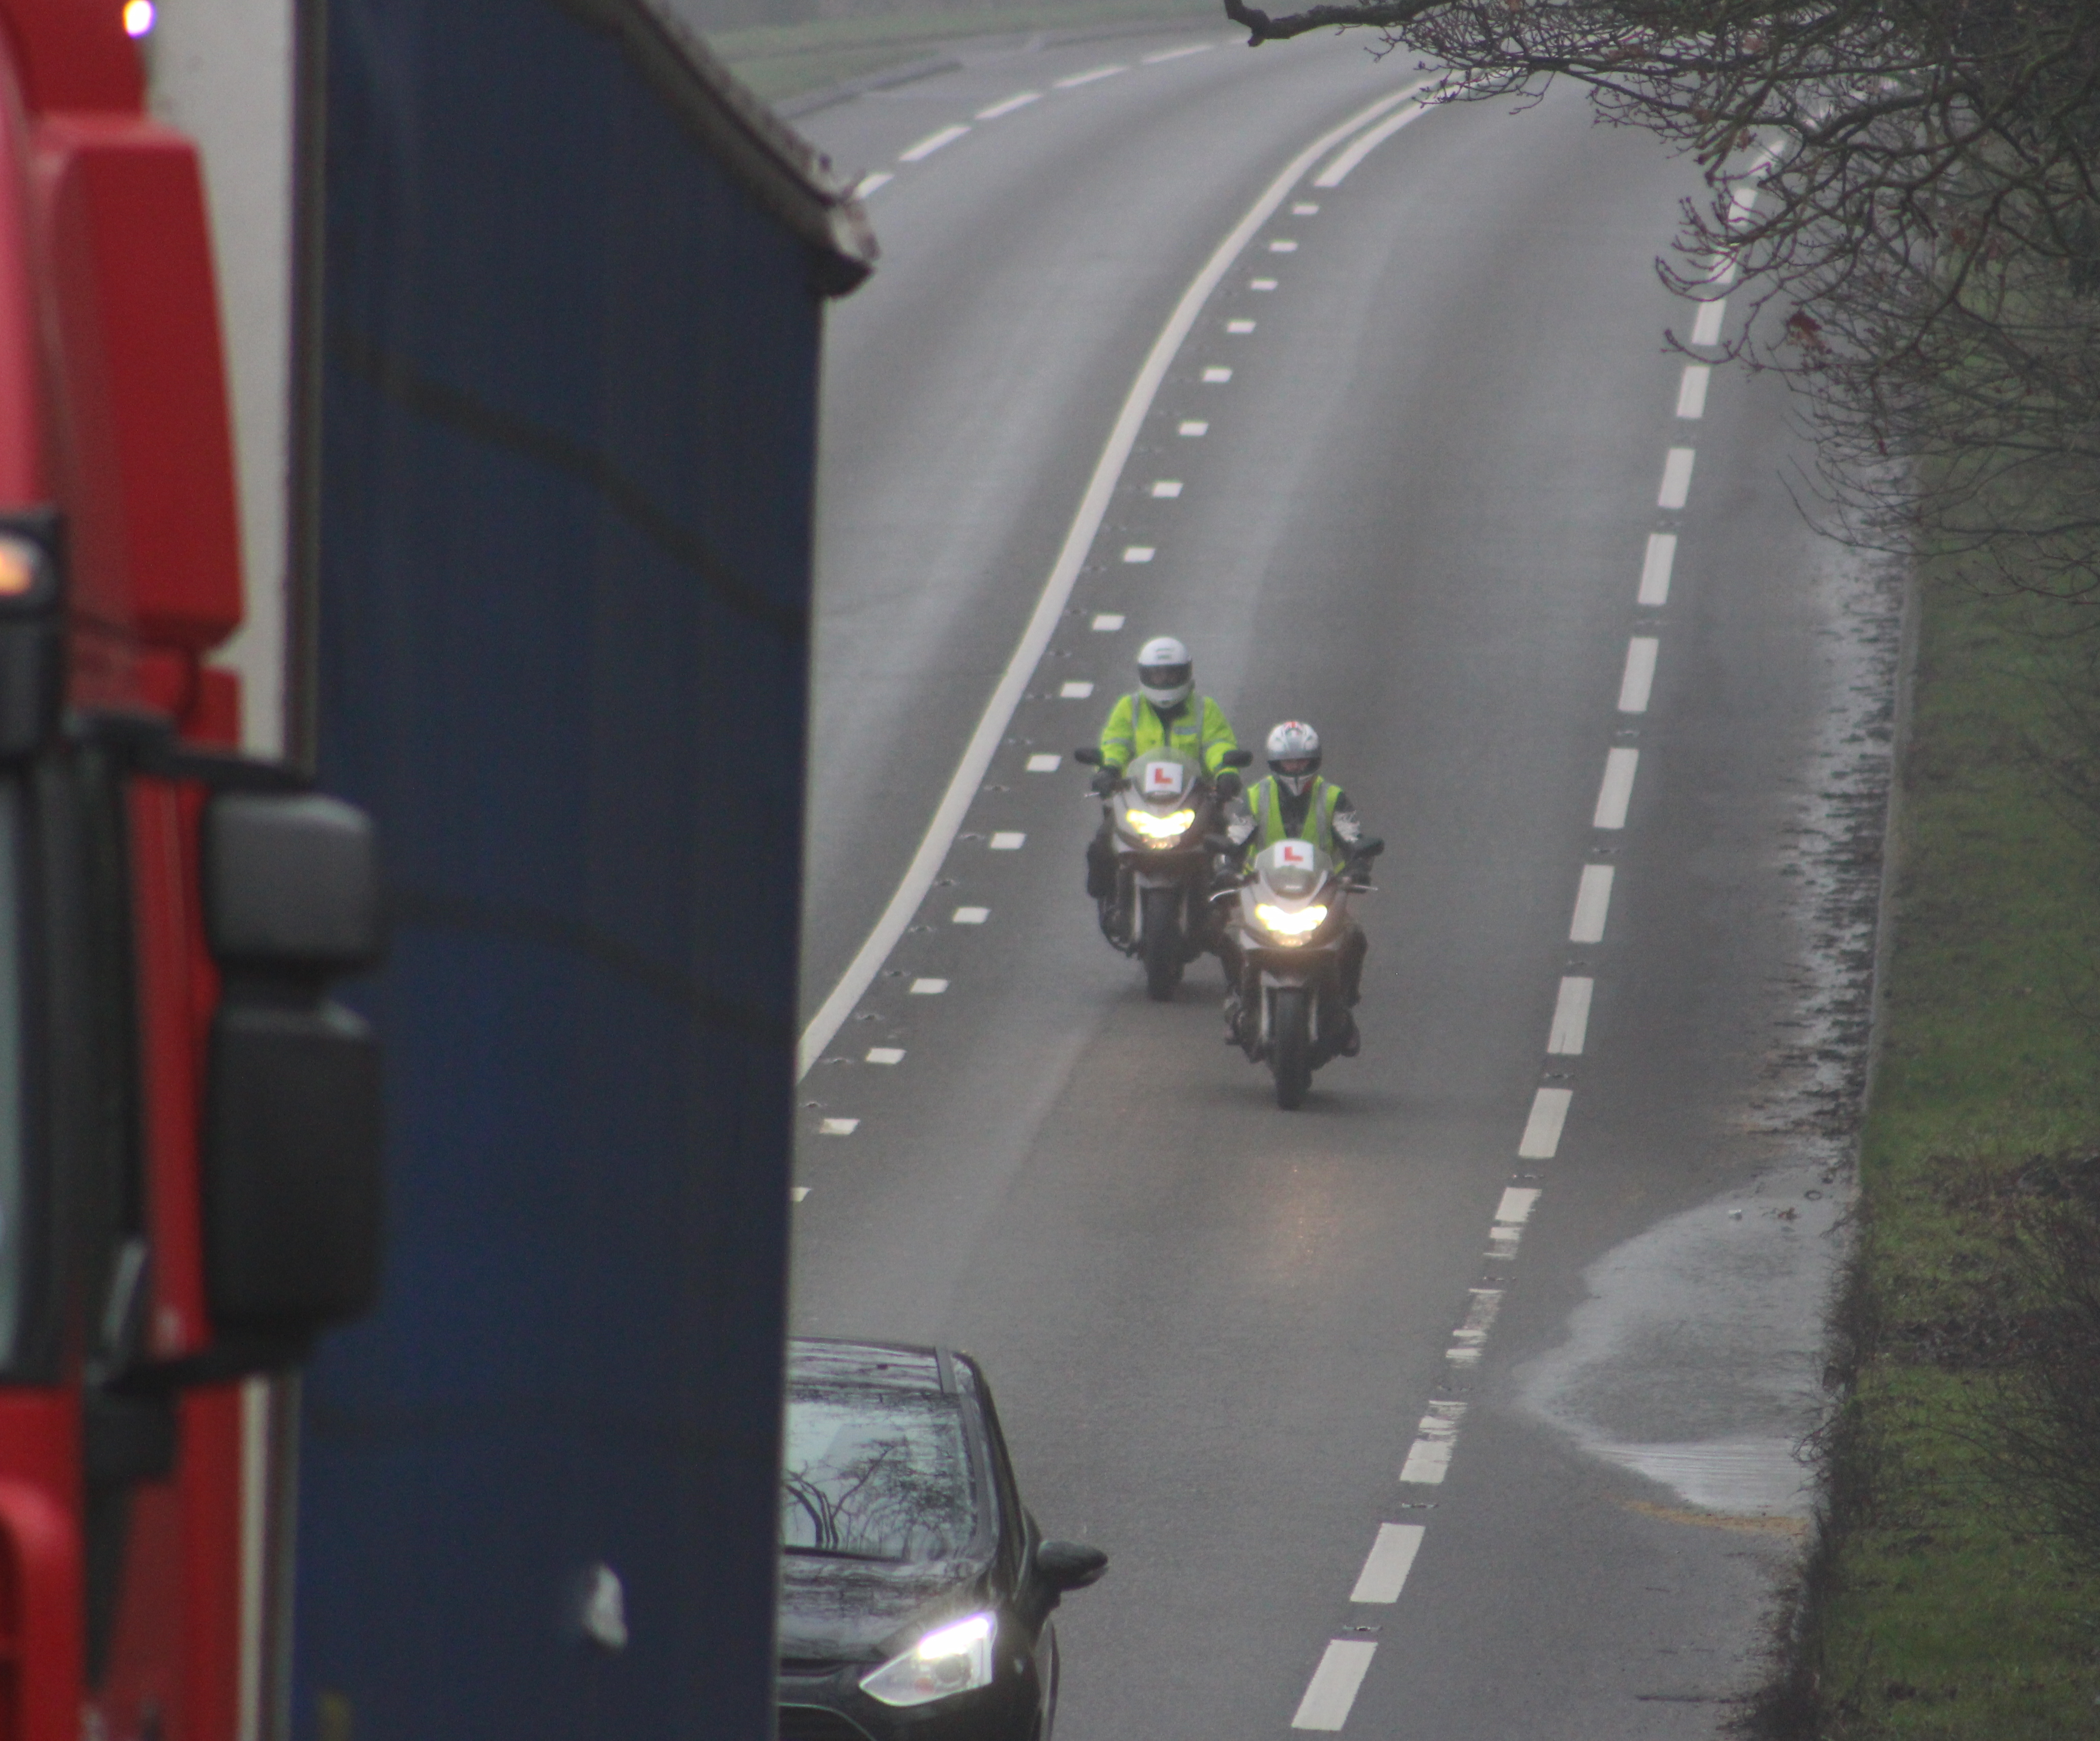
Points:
(1105, 780)
(1228, 784)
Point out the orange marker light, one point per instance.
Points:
(21, 566)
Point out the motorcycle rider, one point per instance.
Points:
(1296, 803)
(1163, 712)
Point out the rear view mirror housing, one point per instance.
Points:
(1237, 759)
(292, 1176)
(1088, 755)
(1068, 1566)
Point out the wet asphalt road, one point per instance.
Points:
(1417, 516)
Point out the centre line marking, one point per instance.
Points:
(1217, 374)
(985, 741)
(838, 1127)
(868, 183)
(1706, 329)
(1020, 100)
(1166, 488)
(1542, 1130)
(1593, 900)
(1333, 1690)
(1655, 569)
(885, 1055)
(1518, 1201)
(1303, 209)
(1108, 622)
(972, 915)
(1639, 681)
(1176, 53)
(1078, 690)
(929, 988)
(1365, 144)
(1617, 791)
(1077, 79)
(1139, 553)
(1676, 478)
(1691, 391)
(932, 143)
(1007, 841)
(1472, 1337)
(1436, 1437)
(1387, 1564)
(1239, 326)
(1261, 283)
(1044, 762)
(1571, 1018)
(1282, 244)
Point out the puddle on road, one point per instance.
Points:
(1697, 1360)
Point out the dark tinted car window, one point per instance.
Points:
(875, 1475)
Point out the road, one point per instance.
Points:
(1418, 514)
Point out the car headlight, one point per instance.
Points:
(954, 1658)
(1289, 926)
(1161, 828)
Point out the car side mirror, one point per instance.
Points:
(293, 1213)
(1087, 754)
(1237, 759)
(1067, 1566)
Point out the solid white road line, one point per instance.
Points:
(1571, 1018)
(929, 988)
(1691, 391)
(1044, 762)
(868, 183)
(1108, 622)
(885, 1055)
(838, 1126)
(1008, 840)
(1593, 900)
(931, 143)
(1617, 789)
(1518, 1201)
(1166, 488)
(1333, 1686)
(1706, 329)
(1366, 144)
(1482, 1305)
(1077, 79)
(1176, 53)
(1542, 1130)
(1387, 1564)
(972, 915)
(1436, 1438)
(1078, 690)
(1655, 568)
(1638, 682)
(947, 818)
(1676, 478)
(1020, 100)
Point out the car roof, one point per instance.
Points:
(889, 1366)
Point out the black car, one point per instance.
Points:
(916, 1589)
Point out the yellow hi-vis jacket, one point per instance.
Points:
(1266, 803)
(1200, 731)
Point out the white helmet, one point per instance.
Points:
(1294, 756)
(1164, 671)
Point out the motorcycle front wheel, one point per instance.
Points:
(1161, 946)
(1290, 1045)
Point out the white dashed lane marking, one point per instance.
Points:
(1676, 478)
(838, 1126)
(931, 143)
(1044, 762)
(1216, 374)
(929, 988)
(1019, 100)
(1009, 840)
(1166, 488)
(1617, 791)
(1108, 622)
(795, 1193)
(972, 915)
(868, 183)
(1429, 1457)
(1571, 1018)
(1176, 53)
(1282, 245)
(1691, 391)
(1333, 1690)
(1387, 1564)
(1638, 682)
(1261, 283)
(1077, 79)
(1706, 329)
(1303, 209)
(1540, 1140)
(1655, 569)
(1139, 553)
(1482, 1305)
(1192, 427)
(1593, 900)
(1239, 326)
(885, 1055)
(1078, 690)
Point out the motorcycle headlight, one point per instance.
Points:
(1158, 829)
(954, 1658)
(1287, 927)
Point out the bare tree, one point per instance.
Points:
(1907, 189)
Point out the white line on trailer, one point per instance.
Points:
(1616, 791)
(1655, 568)
(1638, 682)
(1593, 900)
(947, 818)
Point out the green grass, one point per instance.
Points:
(1938, 1609)
(785, 60)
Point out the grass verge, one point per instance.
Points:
(1939, 1603)
(779, 61)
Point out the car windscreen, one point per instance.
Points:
(872, 1474)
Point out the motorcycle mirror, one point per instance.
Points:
(1091, 757)
(1237, 759)
(1369, 848)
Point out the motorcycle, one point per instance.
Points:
(1290, 924)
(1163, 814)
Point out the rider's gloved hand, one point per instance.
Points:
(1228, 784)
(1105, 780)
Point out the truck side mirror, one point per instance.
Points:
(292, 1139)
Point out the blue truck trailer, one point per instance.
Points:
(561, 330)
